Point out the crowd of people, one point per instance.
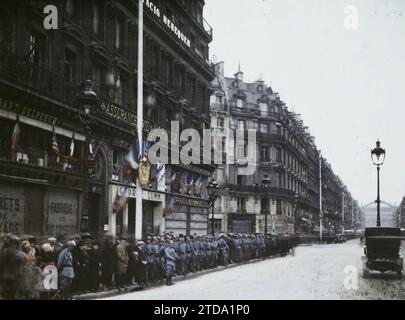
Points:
(85, 265)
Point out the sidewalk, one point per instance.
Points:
(116, 292)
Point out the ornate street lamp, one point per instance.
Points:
(87, 100)
(213, 193)
(378, 158)
(266, 182)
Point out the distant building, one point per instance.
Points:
(387, 214)
(286, 154)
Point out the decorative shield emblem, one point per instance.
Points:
(144, 172)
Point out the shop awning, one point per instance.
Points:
(42, 125)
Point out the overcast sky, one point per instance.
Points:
(348, 85)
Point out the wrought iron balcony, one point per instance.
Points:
(19, 70)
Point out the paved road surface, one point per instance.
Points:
(313, 272)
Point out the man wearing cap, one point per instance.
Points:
(149, 258)
(65, 269)
(188, 255)
(162, 268)
(181, 250)
(224, 251)
(122, 263)
(170, 262)
(155, 260)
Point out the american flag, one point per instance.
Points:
(55, 146)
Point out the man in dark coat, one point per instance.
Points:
(12, 261)
(94, 267)
(108, 262)
(181, 250)
(141, 264)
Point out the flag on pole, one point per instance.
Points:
(16, 134)
(121, 200)
(94, 154)
(55, 146)
(198, 186)
(131, 161)
(169, 208)
(72, 146)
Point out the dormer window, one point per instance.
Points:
(260, 88)
(235, 84)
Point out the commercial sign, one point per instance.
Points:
(62, 213)
(12, 205)
(167, 22)
(131, 193)
(190, 202)
(123, 115)
(24, 110)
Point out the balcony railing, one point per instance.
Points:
(21, 71)
(207, 28)
(219, 107)
(34, 157)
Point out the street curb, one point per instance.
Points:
(116, 292)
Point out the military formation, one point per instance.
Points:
(85, 265)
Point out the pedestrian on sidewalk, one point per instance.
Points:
(66, 271)
(122, 263)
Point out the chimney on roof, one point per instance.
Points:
(239, 74)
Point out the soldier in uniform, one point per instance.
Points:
(208, 252)
(215, 252)
(170, 262)
(181, 250)
(223, 251)
(201, 253)
(162, 268)
(244, 246)
(196, 256)
(155, 260)
(149, 258)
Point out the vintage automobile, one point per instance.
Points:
(382, 251)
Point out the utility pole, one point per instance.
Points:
(139, 193)
(343, 211)
(320, 197)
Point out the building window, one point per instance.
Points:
(241, 124)
(118, 34)
(97, 19)
(264, 154)
(253, 125)
(70, 8)
(239, 103)
(264, 109)
(220, 122)
(264, 128)
(70, 66)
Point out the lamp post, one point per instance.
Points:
(296, 198)
(87, 99)
(378, 158)
(213, 193)
(266, 182)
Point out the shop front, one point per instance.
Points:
(241, 223)
(189, 216)
(41, 171)
(38, 210)
(123, 222)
